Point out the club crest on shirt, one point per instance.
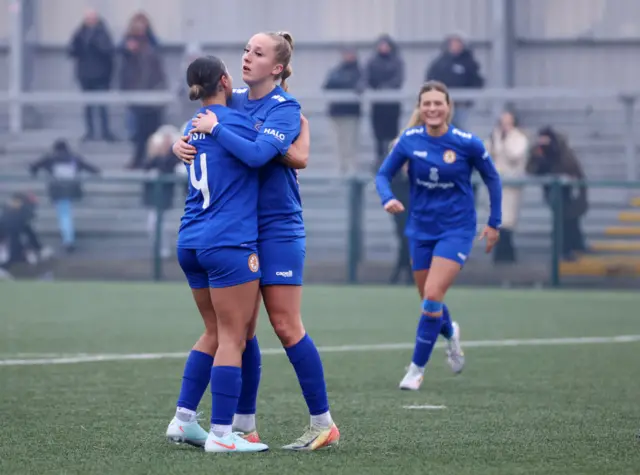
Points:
(449, 157)
(258, 125)
(254, 265)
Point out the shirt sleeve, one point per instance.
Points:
(274, 139)
(484, 164)
(391, 165)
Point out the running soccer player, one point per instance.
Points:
(217, 251)
(441, 226)
(281, 238)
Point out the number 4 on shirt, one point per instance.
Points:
(202, 185)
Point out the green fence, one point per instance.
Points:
(356, 210)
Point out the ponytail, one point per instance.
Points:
(413, 121)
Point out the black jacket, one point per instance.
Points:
(93, 50)
(456, 72)
(347, 76)
(386, 71)
(64, 169)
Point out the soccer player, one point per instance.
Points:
(281, 238)
(441, 225)
(217, 251)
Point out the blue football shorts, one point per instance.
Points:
(282, 261)
(219, 267)
(453, 248)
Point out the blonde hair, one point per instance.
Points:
(284, 51)
(415, 118)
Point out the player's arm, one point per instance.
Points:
(484, 164)
(275, 137)
(391, 165)
(298, 154)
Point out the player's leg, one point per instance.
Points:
(448, 328)
(184, 427)
(234, 281)
(283, 270)
(421, 255)
(244, 420)
(456, 251)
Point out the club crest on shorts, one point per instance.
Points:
(254, 264)
(449, 157)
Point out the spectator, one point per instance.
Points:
(345, 115)
(458, 69)
(142, 70)
(163, 163)
(64, 168)
(552, 156)
(385, 71)
(509, 148)
(140, 23)
(93, 51)
(19, 240)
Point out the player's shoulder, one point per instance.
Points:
(281, 99)
(413, 131)
(466, 140)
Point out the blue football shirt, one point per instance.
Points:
(441, 196)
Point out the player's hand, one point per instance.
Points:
(394, 207)
(204, 123)
(304, 122)
(183, 150)
(492, 235)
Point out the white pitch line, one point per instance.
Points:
(88, 358)
(425, 407)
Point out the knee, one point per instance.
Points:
(208, 342)
(236, 344)
(434, 292)
(288, 327)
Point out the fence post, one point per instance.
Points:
(16, 62)
(356, 212)
(629, 104)
(555, 195)
(157, 241)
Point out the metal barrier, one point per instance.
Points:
(497, 98)
(356, 214)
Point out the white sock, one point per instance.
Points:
(185, 415)
(220, 431)
(244, 422)
(322, 420)
(415, 369)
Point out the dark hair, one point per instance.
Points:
(284, 50)
(203, 77)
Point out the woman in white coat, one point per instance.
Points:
(509, 149)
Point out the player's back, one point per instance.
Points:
(221, 206)
(277, 117)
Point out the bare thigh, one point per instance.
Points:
(283, 304)
(234, 307)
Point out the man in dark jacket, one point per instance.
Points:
(385, 70)
(345, 115)
(93, 51)
(457, 68)
(64, 168)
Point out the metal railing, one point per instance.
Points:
(496, 98)
(357, 210)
